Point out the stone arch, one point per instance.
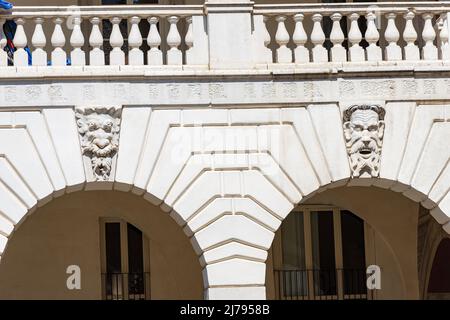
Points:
(231, 226)
(414, 162)
(227, 176)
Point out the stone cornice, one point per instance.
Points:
(294, 71)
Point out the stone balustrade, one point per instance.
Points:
(108, 35)
(354, 32)
(193, 35)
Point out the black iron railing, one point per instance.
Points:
(126, 286)
(319, 284)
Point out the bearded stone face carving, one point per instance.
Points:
(364, 131)
(99, 135)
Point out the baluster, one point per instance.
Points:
(3, 42)
(300, 38)
(39, 41)
(189, 38)
(444, 38)
(374, 52)
(96, 56)
(77, 56)
(338, 52)
(267, 39)
(284, 54)
(20, 41)
(429, 51)
(392, 51)
(117, 56)
(412, 52)
(154, 55)
(356, 52)
(319, 52)
(174, 55)
(136, 55)
(59, 56)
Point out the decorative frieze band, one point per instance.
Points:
(205, 93)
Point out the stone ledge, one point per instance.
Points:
(202, 70)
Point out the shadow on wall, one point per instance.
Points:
(67, 232)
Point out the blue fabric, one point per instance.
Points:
(68, 62)
(9, 29)
(30, 61)
(5, 5)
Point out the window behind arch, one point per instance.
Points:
(125, 262)
(439, 280)
(323, 255)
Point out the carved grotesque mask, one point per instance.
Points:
(99, 131)
(364, 130)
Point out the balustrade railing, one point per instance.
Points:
(353, 32)
(177, 35)
(126, 286)
(174, 35)
(321, 284)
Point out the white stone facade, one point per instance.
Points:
(229, 203)
(226, 152)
